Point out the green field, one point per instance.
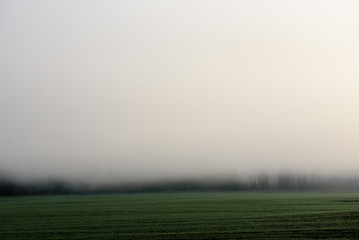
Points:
(325, 215)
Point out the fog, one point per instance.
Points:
(137, 90)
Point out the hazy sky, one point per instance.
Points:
(169, 88)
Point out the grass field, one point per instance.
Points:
(326, 215)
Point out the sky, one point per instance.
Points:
(148, 89)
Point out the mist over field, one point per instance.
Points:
(125, 91)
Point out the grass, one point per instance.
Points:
(326, 215)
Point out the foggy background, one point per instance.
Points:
(148, 89)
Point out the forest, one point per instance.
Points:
(10, 186)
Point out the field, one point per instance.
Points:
(325, 215)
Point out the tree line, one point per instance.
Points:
(258, 182)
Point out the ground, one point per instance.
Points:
(232, 215)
